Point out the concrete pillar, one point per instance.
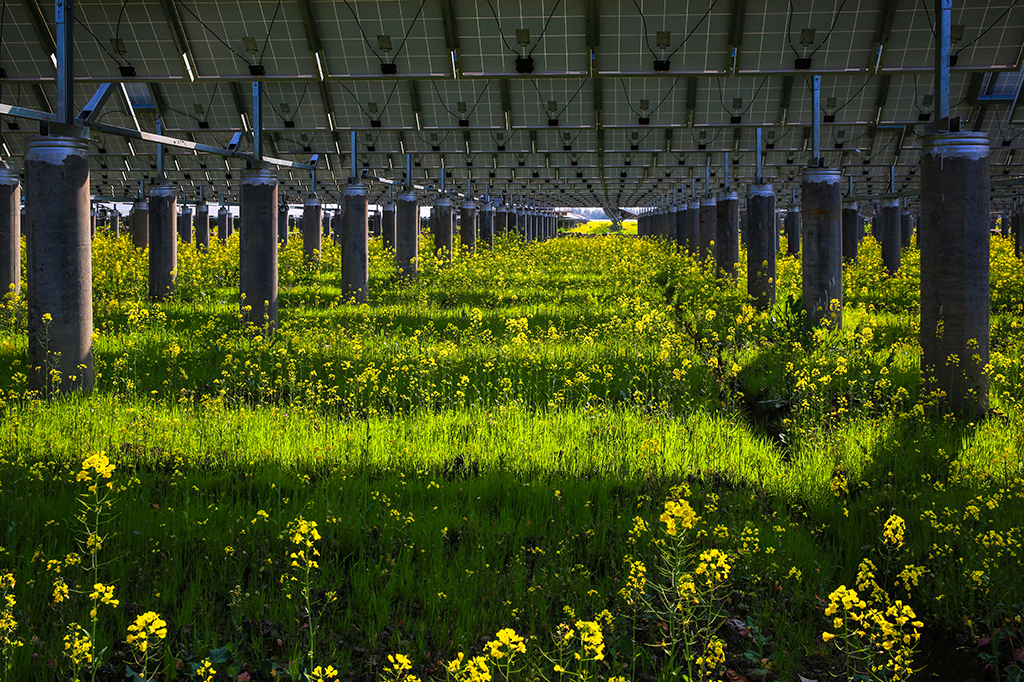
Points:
(337, 226)
(185, 225)
(203, 226)
(10, 232)
(443, 232)
(467, 234)
(793, 231)
(727, 236)
(823, 246)
(387, 226)
(1015, 231)
(355, 247)
(1004, 224)
(501, 221)
(743, 227)
(708, 227)
(282, 225)
(59, 254)
(954, 244)
(693, 228)
(163, 242)
(140, 223)
(222, 223)
(671, 221)
(312, 231)
(257, 247)
(889, 229)
(761, 246)
(778, 229)
(115, 223)
(682, 225)
(326, 218)
(231, 223)
(521, 223)
(92, 222)
(907, 230)
(407, 241)
(486, 219)
(374, 224)
(851, 230)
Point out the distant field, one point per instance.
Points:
(594, 443)
(603, 227)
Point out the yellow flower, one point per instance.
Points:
(205, 672)
(77, 645)
(60, 591)
(827, 636)
(149, 626)
(893, 531)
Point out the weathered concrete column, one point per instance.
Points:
(374, 224)
(185, 225)
(257, 247)
(708, 227)
(388, 227)
(761, 255)
(907, 229)
(222, 223)
(671, 221)
(407, 238)
(10, 232)
(115, 223)
(823, 246)
(443, 229)
(282, 225)
(743, 227)
(778, 229)
(355, 246)
(140, 223)
(1015, 231)
(203, 226)
(793, 231)
(521, 223)
(163, 242)
(954, 243)
(337, 226)
(326, 218)
(889, 230)
(727, 235)
(501, 221)
(486, 220)
(231, 223)
(693, 228)
(467, 233)
(59, 254)
(1004, 224)
(92, 222)
(312, 232)
(682, 225)
(851, 230)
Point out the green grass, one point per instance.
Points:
(475, 449)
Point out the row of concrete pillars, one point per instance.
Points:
(59, 227)
(953, 237)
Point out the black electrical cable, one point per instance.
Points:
(721, 96)
(573, 98)
(500, 32)
(409, 30)
(98, 41)
(387, 100)
(3, 13)
(854, 96)
(213, 33)
(362, 32)
(835, 20)
(928, 14)
(789, 29)
(209, 104)
(992, 26)
(674, 84)
(181, 113)
(544, 30)
(267, 40)
(702, 19)
(626, 95)
(352, 94)
(441, 100)
(647, 38)
(117, 30)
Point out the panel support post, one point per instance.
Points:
(823, 248)
(761, 246)
(954, 244)
(406, 235)
(59, 260)
(257, 248)
(355, 245)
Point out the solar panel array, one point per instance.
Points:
(593, 124)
